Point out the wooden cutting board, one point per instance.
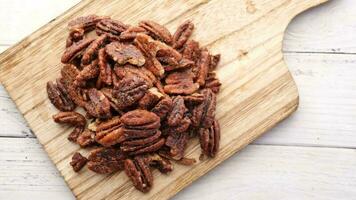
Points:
(257, 92)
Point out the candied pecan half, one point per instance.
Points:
(191, 50)
(158, 162)
(203, 114)
(86, 23)
(86, 138)
(157, 31)
(194, 98)
(113, 101)
(128, 70)
(73, 51)
(110, 132)
(131, 32)
(209, 139)
(203, 65)
(59, 96)
(76, 94)
(125, 53)
(180, 82)
(182, 64)
(105, 71)
(212, 82)
(92, 50)
(138, 170)
(69, 72)
(106, 160)
(150, 99)
(99, 105)
(71, 118)
(129, 91)
(177, 143)
(141, 120)
(89, 72)
(163, 107)
(177, 113)
(73, 136)
(181, 127)
(182, 34)
(143, 145)
(78, 161)
(110, 27)
(75, 35)
(149, 48)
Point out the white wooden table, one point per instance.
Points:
(311, 155)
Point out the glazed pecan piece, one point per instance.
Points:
(143, 145)
(86, 23)
(69, 72)
(157, 31)
(77, 94)
(191, 50)
(111, 27)
(203, 114)
(131, 32)
(105, 71)
(194, 98)
(110, 132)
(203, 65)
(177, 143)
(138, 170)
(89, 72)
(86, 138)
(59, 96)
(78, 161)
(125, 53)
(177, 113)
(106, 160)
(92, 50)
(98, 105)
(158, 162)
(71, 118)
(180, 83)
(74, 50)
(182, 34)
(129, 91)
(210, 139)
(212, 82)
(143, 73)
(73, 136)
(182, 64)
(141, 120)
(150, 99)
(163, 107)
(75, 35)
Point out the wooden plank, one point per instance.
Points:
(328, 28)
(262, 94)
(257, 172)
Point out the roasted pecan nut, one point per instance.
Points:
(144, 145)
(75, 35)
(177, 143)
(150, 99)
(203, 114)
(71, 118)
(86, 138)
(125, 53)
(129, 91)
(177, 113)
(86, 22)
(105, 71)
(110, 26)
(131, 32)
(139, 172)
(141, 120)
(143, 73)
(76, 94)
(157, 31)
(73, 136)
(74, 50)
(191, 50)
(99, 105)
(210, 139)
(110, 132)
(106, 160)
(182, 64)
(163, 107)
(158, 162)
(92, 50)
(184, 88)
(89, 72)
(78, 161)
(59, 96)
(182, 34)
(203, 65)
(194, 98)
(69, 72)
(212, 82)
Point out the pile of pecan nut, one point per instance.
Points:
(145, 94)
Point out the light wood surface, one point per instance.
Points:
(302, 64)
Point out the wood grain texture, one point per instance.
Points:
(257, 172)
(257, 93)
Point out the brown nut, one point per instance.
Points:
(138, 170)
(157, 31)
(182, 34)
(73, 51)
(99, 105)
(92, 50)
(209, 139)
(86, 138)
(203, 114)
(105, 160)
(71, 118)
(78, 161)
(125, 53)
(59, 96)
